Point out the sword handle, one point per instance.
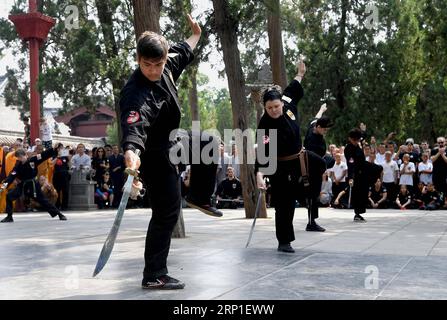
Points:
(132, 172)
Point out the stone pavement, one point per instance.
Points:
(395, 255)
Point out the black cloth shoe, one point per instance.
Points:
(162, 283)
(7, 219)
(62, 217)
(205, 208)
(359, 218)
(315, 227)
(285, 247)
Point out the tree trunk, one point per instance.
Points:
(193, 96)
(277, 60)
(340, 70)
(226, 27)
(146, 16)
(105, 16)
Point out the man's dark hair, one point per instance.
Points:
(151, 45)
(19, 140)
(108, 146)
(355, 134)
(20, 153)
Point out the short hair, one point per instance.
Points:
(108, 146)
(19, 140)
(355, 133)
(272, 93)
(151, 45)
(20, 153)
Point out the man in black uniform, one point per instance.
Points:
(150, 111)
(229, 192)
(315, 142)
(25, 171)
(357, 174)
(287, 183)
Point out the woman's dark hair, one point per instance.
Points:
(272, 93)
(151, 45)
(103, 153)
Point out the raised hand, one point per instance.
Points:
(194, 25)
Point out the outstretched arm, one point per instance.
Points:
(196, 32)
(301, 71)
(322, 110)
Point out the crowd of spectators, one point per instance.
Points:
(104, 166)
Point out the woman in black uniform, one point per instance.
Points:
(281, 114)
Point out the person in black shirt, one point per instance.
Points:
(287, 184)
(150, 114)
(229, 191)
(342, 200)
(439, 159)
(357, 174)
(403, 200)
(431, 198)
(61, 176)
(116, 169)
(100, 163)
(378, 195)
(25, 171)
(318, 128)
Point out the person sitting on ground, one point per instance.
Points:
(377, 196)
(342, 200)
(431, 198)
(104, 192)
(229, 192)
(403, 200)
(417, 195)
(326, 191)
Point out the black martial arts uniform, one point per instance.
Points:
(286, 185)
(150, 111)
(29, 185)
(357, 170)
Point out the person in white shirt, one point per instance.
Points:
(80, 159)
(425, 170)
(37, 142)
(338, 174)
(390, 175)
(380, 155)
(46, 133)
(407, 169)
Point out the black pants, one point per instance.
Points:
(17, 192)
(163, 183)
(61, 181)
(359, 195)
(287, 188)
(439, 180)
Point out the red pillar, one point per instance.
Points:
(34, 91)
(33, 27)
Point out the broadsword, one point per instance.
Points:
(110, 241)
(258, 208)
(349, 200)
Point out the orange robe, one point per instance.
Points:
(10, 162)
